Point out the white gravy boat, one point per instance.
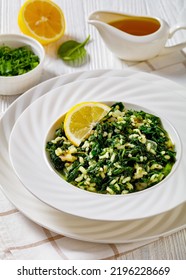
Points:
(135, 47)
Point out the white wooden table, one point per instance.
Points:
(172, 66)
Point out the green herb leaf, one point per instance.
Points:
(72, 50)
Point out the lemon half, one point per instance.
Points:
(42, 19)
(81, 118)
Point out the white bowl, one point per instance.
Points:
(12, 85)
(40, 178)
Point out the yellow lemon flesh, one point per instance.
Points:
(42, 20)
(81, 118)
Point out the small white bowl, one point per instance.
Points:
(12, 85)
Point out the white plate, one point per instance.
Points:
(27, 147)
(59, 222)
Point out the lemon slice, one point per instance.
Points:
(42, 19)
(81, 118)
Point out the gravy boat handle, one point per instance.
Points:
(176, 47)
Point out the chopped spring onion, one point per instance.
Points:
(17, 61)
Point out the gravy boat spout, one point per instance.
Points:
(133, 37)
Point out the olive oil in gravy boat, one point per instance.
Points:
(137, 43)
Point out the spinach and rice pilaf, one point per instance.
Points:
(127, 151)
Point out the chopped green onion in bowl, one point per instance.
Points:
(21, 63)
(128, 151)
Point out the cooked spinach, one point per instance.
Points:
(127, 151)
